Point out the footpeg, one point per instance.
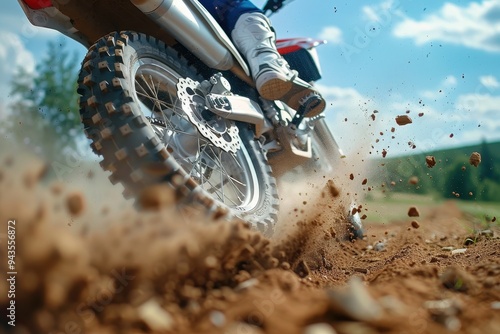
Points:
(307, 104)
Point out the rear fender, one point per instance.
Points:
(52, 18)
(301, 54)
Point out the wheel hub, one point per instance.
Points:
(221, 132)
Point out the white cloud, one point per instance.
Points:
(475, 26)
(449, 82)
(381, 12)
(331, 34)
(480, 105)
(489, 81)
(446, 85)
(13, 55)
(470, 118)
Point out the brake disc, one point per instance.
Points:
(221, 132)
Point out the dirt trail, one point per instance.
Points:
(157, 272)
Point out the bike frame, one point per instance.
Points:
(186, 23)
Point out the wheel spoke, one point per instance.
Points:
(220, 173)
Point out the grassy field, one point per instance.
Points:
(381, 208)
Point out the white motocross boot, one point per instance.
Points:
(254, 37)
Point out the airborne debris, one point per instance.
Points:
(475, 159)
(334, 191)
(413, 212)
(430, 161)
(403, 120)
(415, 224)
(75, 203)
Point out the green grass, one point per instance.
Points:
(484, 211)
(382, 208)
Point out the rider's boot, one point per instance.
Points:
(254, 37)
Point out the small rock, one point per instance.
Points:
(475, 159)
(379, 246)
(458, 251)
(75, 203)
(415, 224)
(469, 241)
(403, 120)
(487, 233)
(217, 318)
(155, 317)
(430, 161)
(448, 248)
(246, 284)
(322, 328)
(413, 212)
(355, 302)
(413, 180)
(361, 270)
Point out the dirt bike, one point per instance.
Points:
(166, 97)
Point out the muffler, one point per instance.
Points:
(187, 26)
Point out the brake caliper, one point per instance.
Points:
(202, 103)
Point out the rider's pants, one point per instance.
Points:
(227, 12)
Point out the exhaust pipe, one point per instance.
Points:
(188, 27)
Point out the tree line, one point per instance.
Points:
(42, 113)
(452, 176)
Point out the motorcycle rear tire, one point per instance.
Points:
(111, 109)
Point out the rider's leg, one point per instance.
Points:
(252, 34)
(227, 12)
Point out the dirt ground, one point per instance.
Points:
(157, 272)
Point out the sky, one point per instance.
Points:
(384, 58)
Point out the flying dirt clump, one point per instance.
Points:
(413, 212)
(75, 203)
(413, 180)
(430, 161)
(403, 120)
(475, 159)
(124, 278)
